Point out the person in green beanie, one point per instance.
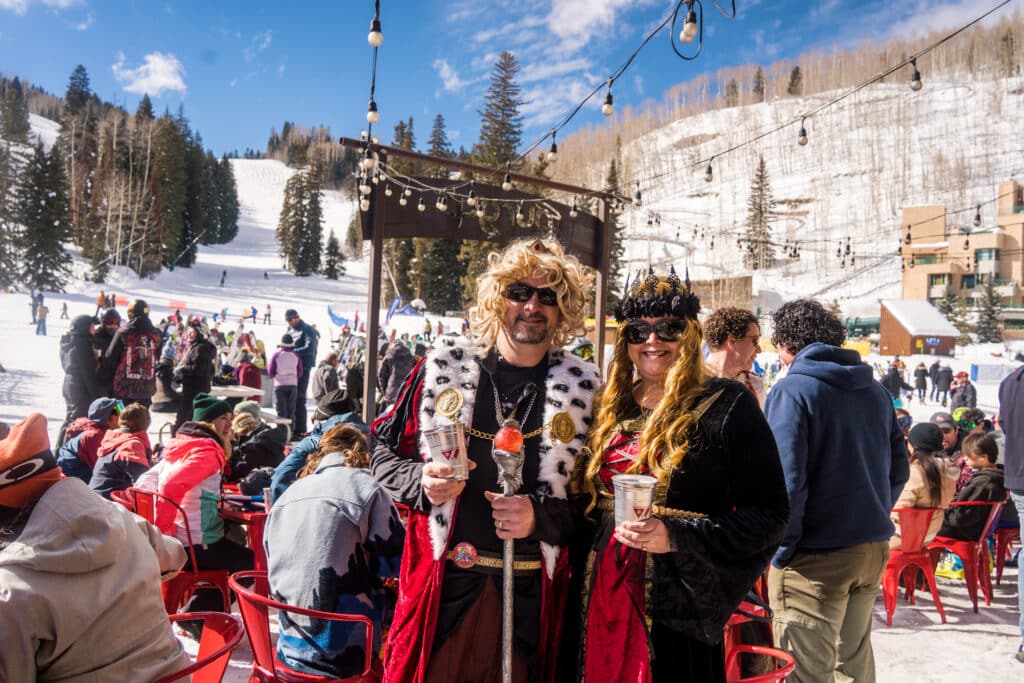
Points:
(190, 473)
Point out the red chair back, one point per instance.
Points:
(254, 604)
(221, 633)
(993, 514)
(180, 588)
(973, 553)
(779, 674)
(123, 498)
(914, 523)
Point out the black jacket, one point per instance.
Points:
(968, 521)
(933, 371)
(921, 378)
(138, 343)
(196, 366)
(1011, 419)
(943, 378)
(893, 382)
(79, 363)
(964, 395)
(262, 447)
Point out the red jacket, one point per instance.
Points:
(248, 375)
(92, 437)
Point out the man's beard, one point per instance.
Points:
(532, 335)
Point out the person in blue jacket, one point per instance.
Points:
(333, 409)
(845, 461)
(305, 340)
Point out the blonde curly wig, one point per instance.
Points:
(528, 258)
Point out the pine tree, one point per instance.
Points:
(501, 131)
(14, 125)
(1008, 54)
(78, 144)
(961, 323)
(193, 218)
(732, 93)
(333, 259)
(760, 253)
(289, 225)
(167, 186)
(759, 87)
(226, 191)
(310, 239)
(145, 110)
(989, 314)
(617, 248)
(439, 269)
(44, 214)
(9, 226)
(796, 83)
(947, 306)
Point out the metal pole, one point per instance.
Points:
(510, 476)
(373, 304)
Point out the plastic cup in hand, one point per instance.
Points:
(634, 495)
(448, 446)
(266, 499)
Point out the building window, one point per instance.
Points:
(1013, 324)
(986, 254)
(938, 279)
(968, 282)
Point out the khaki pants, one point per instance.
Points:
(823, 605)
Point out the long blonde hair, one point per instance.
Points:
(664, 440)
(341, 438)
(528, 258)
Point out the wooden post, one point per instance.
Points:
(602, 282)
(373, 309)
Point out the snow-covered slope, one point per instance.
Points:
(882, 149)
(44, 130)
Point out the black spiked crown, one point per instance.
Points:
(653, 296)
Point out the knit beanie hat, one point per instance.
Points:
(926, 436)
(206, 408)
(335, 402)
(286, 342)
(100, 409)
(27, 466)
(251, 407)
(244, 423)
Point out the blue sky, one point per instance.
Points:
(241, 68)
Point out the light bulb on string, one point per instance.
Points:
(506, 184)
(520, 218)
(441, 204)
(650, 223)
(907, 238)
(911, 260)
(480, 210)
(553, 151)
(471, 199)
(364, 204)
(915, 78)
(375, 37)
(387, 190)
(712, 245)
(402, 201)
(574, 210)
(637, 198)
(899, 249)
(408, 192)
(608, 108)
(709, 173)
(421, 206)
(967, 244)
(689, 31)
(977, 217)
(364, 185)
(372, 115)
(368, 163)
(802, 138)
(376, 177)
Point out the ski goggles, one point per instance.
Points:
(638, 331)
(584, 352)
(118, 408)
(904, 421)
(520, 292)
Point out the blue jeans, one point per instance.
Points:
(1017, 496)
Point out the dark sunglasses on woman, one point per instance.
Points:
(638, 331)
(521, 293)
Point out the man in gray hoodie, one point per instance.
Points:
(79, 576)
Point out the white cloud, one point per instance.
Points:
(159, 72)
(932, 15)
(575, 22)
(543, 71)
(87, 24)
(449, 77)
(21, 6)
(259, 43)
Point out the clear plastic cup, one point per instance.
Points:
(448, 445)
(634, 496)
(266, 499)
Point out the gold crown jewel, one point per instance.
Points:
(655, 296)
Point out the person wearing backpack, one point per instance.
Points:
(132, 355)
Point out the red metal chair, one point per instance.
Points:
(1005, 539)
(123, 498)
(779, 674)
(909, 559)
(254, 604)
(732, 637)
(973, 554)
(178, 590)
(221, 633)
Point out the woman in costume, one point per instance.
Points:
(656, 593)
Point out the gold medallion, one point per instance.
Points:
(563, 428)
(449, 402)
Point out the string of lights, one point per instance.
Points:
(915, 85)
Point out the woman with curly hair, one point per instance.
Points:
(657, 592)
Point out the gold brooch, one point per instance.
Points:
(563, 428)
(449, 402)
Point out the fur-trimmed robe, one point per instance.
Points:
(569, 387)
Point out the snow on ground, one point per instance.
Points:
(917, 647)
(44, 130)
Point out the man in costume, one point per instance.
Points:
(447, 627)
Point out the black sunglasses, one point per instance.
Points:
(638, 331)
(521, 293)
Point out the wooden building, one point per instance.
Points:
(914, 326)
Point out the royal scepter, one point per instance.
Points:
(509, 456)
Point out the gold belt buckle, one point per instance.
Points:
(464, 555)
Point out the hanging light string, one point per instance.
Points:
(609, 107)
(800, 119)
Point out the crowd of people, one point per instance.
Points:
(781, 495)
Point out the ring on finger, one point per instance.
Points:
(501, 525)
